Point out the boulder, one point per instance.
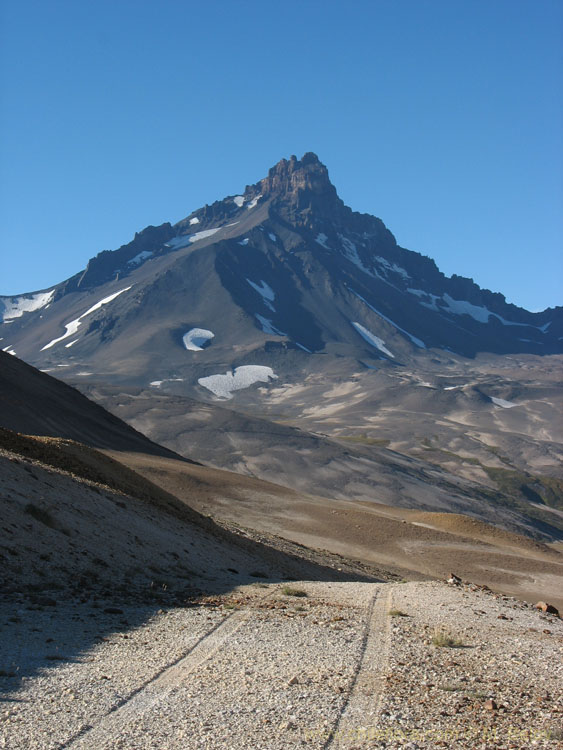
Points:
(547, 608)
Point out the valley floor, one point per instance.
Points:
(319, 665)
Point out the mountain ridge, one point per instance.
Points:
(284, 304)
(298, 189)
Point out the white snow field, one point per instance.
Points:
(462, 307)
(418, 342)
(239, 200)
(503, 403)
(74, 325)
(268, 326)
(15, 307)
(142, 256)
(266, 292)
(372, 339)
(392, 267)
(195, 339)
(254, 201)
(194, 220)
(187, 239)
(321, 239)
(242, 377)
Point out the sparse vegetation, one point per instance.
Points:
(476, 695)
(397, 613)
(554, 733)
(290, 591)
(365, 440)
(443, 639)
(535, 488)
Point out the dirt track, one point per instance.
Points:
(257, 668)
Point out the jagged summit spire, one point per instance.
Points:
(309, 172)
(301, 186)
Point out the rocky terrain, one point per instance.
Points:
(320, 665)
(130, 619)
(279, 334)
(288, 432)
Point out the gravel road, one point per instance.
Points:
(343, 665)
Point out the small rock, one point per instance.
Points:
(490, 705)
(548, 608)
(113, 611)
(454, 580)
(294, 680)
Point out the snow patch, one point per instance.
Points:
(74, 325)
(351, 253)
(223, 386)
(481, 314)
(239, 200)
(268, 326)
(321, 238)
(372, 339)
(9, 350)
(272, 237)
(254, 201)
(195, 339)
(462, 307)
(15, 307)
(71, 343)
(503, 403)
(194, 220)
(244, 241)
(418, 342)
(187, 239)
(266, 292)
(156, 383)
(303, 347)
(139, 258)
(392, 267)
(431, 305)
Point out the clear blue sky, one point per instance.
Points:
(442, 117)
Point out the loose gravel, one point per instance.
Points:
(349, 665)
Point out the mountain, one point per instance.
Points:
(77, 517)
(293, 265)
(280, 334)
(134, 520)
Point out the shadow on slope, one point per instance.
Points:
(88, 547)
(35, 403)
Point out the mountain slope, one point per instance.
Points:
(285, 261)
(288, 306)
(126, 518)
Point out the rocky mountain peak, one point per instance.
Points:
(293, 175)
(301, 188)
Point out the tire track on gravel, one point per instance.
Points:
(358, 719)
(158, 688)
